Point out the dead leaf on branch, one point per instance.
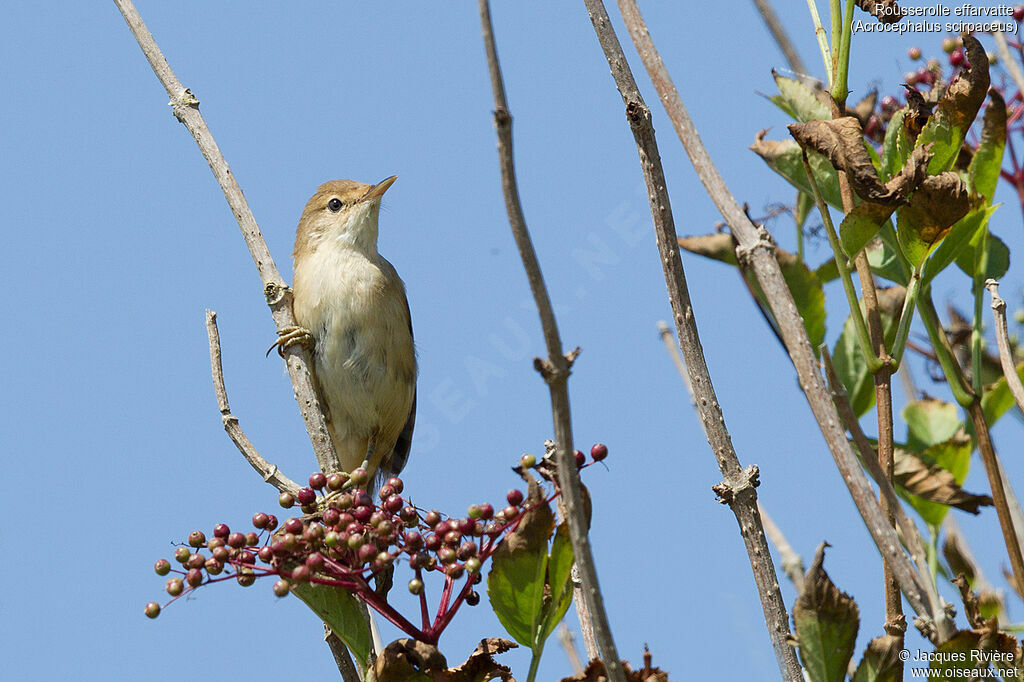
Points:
(841, 140)
(886, 11)
(865, 107)
(406, 660)
(595, 672)
(933, 483)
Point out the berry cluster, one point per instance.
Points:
(345, 538)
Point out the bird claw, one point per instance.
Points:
(289, 336)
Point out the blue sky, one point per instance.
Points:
(117, 238)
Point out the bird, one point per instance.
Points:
(351, 307)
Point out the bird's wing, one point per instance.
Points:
(400, 453)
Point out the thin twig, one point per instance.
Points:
(778, 32)
(911, 535)
(1011, 64)
(268, 471)
(342, 658)
(566, 639)
(792, 563)
(555, 369)
(755, 246)
(677, 359)
(738, 488)
(277, 293)
(1003, 340)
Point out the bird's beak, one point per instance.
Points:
(377, 191)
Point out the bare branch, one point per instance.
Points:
(277, 293)
(268, 471)
(1003, 341)
(778, 31)
(342, 658)
(755, 246)
(557, 367)
(738, 488)
(1009, 62)
(911, 535)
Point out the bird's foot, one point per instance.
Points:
(289, 336)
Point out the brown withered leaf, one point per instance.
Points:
(959, 560)
(936, 205)
(865, 107)
(595, 672)
(842, 142)
(481, 665)
(406, 660)
(880, 660)
(966, 94)
(933, 483)
(719, 246)
(886, 11)
(970, 600)
(918, 111)
(826, 620)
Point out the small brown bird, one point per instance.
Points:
(351, 305)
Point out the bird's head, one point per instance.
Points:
(342, 213)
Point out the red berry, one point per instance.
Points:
(260, 520)
(236, 540)
(286, 500)
(515, 497)
(175, 587)
(194, 577)
(336, 481)
(599, 451)
(396, 483)
(956, 57)
(306, 496)
(317, 481)
(293, 526)
(196, 539)
(281, 588)
(1018, 12)
(221, 530)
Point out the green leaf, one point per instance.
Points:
(799, 100)
(880, 661)
(339, 609)
(851, 366)
(930, 421)
(718, 246)
(861, 225)
(826, 621)
(515, 584)
(896, 148)
(966, 230)
(997, 399)
(955, 112)
(998, 256)
(930, 214)
(559, 578)
(955, 660)
(784, 157)
(983, 172)
(808, 295)
(887, 260)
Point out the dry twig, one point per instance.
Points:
(277, 293)
(555, 369)
(757, 249)
(1003, 341)
(738, 488)
(268, 471)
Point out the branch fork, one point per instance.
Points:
(728, 490)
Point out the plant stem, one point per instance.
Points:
(977, 325)
(556, 369)
(840, 90)
(835, 10)
(844, 273)
(778, 32)
(906, 317)
(962, 393)
(819, 32)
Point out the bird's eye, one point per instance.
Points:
(334, 205)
